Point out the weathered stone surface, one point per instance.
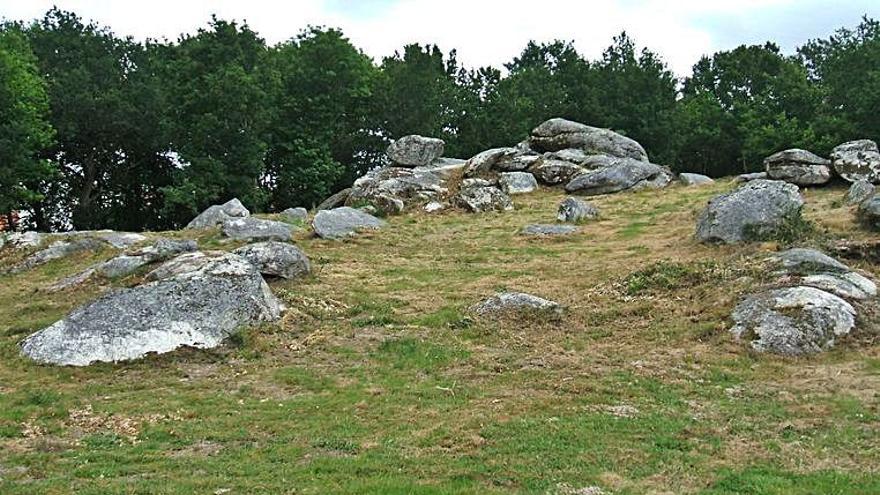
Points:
(546, 230)
(574, 210)
(415, 151)
(480, 199)
(752, 212)
(119, 240)
(559, 134)
(343, 222)
(294, 215)
(859, 191)
(689, 179)
(553, 172)
(515, 302)
(392, 189)
(499, 160)
(184, 263)
(121, 266)
(857, 160)
(793, 320)
(848, 285)
(570, 155)
(624, 174)
(58, 250)
(198, 308)
(799, 167)
(751, 177)
(276, 259)
(24, 240)
(517, 182)
(869, 212)
(477, 182)
(334, 201)
(257, 229)
(127, 264)
(805, 261)
(434, 206)
(217, 214)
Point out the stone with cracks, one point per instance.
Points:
(344, 222)
(553, 172)
(218, 214)
(478, 199)
(753, 212)
(792, 321)
(198, 308)
(848, 285)
(859, 191)
(516, 302)
(392, 189)
(857, 160)
(688, 179)
(276, 259)
(805, 261)
(559, 134)
(574, 210)
(499, 160)
(415, 151)
(623, 174)
(257, 229)
(517, 182)
(799, 167)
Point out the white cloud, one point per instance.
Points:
(487, 32)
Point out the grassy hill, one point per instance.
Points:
(377, 380)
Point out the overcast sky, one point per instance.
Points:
(488, 32)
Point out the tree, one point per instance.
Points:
(24, 128)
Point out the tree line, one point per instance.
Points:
(101, 131)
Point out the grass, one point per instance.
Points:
(378, 380)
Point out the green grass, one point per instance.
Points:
(378, 380)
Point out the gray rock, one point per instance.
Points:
(184, 263)
(792, 321)
(499, 160)
(689, 179)
(546, 230)
(477, 182)
(218, 214)
(799, 167)
(517, 182)
(58, 250)
(624, 174)
(857, 160)
(516, 302)
(257, 229)
(869, 212)
(574, 210)
(751, 177)
(127, 264)
(849, 285)
(294, 215)
(859, 191)
(752, 212)
(553, 172)
(25, 240)
(276, 259)
(804, 261)
(344, 222)
(72, 281)
(334, 201)
(483, 199)
(434, 206)
(570, 155)
(392, 189)
(559, 134)
(415, 151)
(121, 266)
(199, 309)
(119, 240)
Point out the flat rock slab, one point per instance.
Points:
(276, 259)
(799, 167)
(199, 309)
(516, 302)
(623, 174)
(344, 222)
(548, 230)
(58, 250)
(257, 229)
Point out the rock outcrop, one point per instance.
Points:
(392, 189)
(857, 160)
(559, 134)
(57, 250)
(257, 229)
(218, 214)
(755, 211)
(276, 259)
(798, 167)
(622, 174)
(198, 308)
(479, 197)
(343, 222)
(415, 151)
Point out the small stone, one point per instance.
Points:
(688, 179)
(516, 301)
(574, 210)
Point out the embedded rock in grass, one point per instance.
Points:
(198, 308)
(559, 134)
(257, 229)
(478, 199)
(859, 191)
(58, 250)
(344, 222)
(127, 264)
(857, 160)
(516, 301)
(415, 151)
(434, 206)
(849, 285)
(869, 212)
(574, 210)
(276, 259)
(755, 211)
(548, 230)
(799, 167)
(622, 174)
(517, 182)
(218, 214)
(689, 179)
(805, 261)
(792, 321)
(294, 215)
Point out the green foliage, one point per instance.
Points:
(792, 229)
(665, 276)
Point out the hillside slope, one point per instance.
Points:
(377, 380)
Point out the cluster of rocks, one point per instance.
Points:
(812, 304)
(853, 161)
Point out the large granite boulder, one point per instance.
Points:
(257, 229)
(868, 212)
(574, 210)
(753, 212)
(198, 308)
(505, 302)
(218, 214)
(554, 172)
(343, 222)
(799, 167)
(623, 174)
(276, 259)
(793, 320)
(479, 197)
(689, 179)
(857, 160)
(392, 189)
(517, 182)
(415, 151)
(559, 134)
(859, 191)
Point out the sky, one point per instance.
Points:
(488, 32)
